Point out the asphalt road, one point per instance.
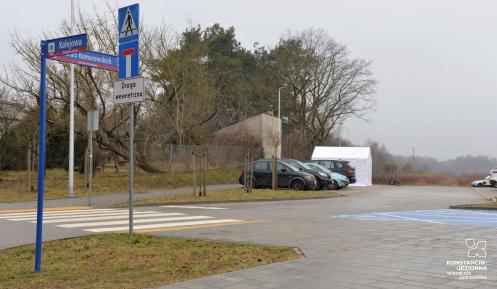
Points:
(387, 237)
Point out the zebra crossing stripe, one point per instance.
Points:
(80, 225)
(193, 207)
(167, 225)
(56, 213)
(81, 216)
(125, 216)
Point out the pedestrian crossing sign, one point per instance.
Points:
(128, 24)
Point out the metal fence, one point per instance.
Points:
(178, 158)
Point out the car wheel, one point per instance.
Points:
(297, 185)
(480, 184)
(334, 185)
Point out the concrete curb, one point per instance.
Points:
(229, 201)
(470, 207)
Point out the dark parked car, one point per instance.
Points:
(324, 179)
(338, 166)
(288, 176)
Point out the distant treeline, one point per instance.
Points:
(386, 163)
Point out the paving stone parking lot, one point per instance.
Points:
(343, 246)
(354, 253)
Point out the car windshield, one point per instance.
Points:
(299, 164)
(319, 167)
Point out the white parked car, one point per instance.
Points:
(486, 182)
(493, 173)
(493, 177)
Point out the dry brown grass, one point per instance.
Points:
(428, 179)
(13, 183)
(118, 261)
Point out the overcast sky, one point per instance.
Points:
(435, 61)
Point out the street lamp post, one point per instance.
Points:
(280, 135)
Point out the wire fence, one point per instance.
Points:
(179, 158)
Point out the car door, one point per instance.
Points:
(262, 173)
(284, 173)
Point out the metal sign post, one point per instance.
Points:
(128, 89)
(49, 48)
(92, 120)
(41, 161)
(131, 130)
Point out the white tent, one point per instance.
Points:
(358, 157)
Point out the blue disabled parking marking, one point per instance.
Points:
(442, 216)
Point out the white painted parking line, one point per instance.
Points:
(408, 218)
(164, 225)
(136, 216)
(139, 221)
(193, 207)
(82, 215)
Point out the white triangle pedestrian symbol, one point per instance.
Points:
(129, 26)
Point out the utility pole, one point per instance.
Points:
(413, 157)
(340, 134)
(71, 117)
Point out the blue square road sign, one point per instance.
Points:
(128, 60)
(129, 29)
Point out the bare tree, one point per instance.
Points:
(93, 88)
(186, 95)
(323, 87)
(11, 112)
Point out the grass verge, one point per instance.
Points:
(13, 184)
(485, 206)
(233, 195)
(118, 261)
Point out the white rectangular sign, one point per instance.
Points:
(92, 120)
(129, 90)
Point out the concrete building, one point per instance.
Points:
(262, 129)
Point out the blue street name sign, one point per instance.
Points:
(128, 23)
(128, 60)
(65, 45)
(91, 59)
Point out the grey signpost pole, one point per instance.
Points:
(92, 122)
(131, 164)
(90, 181)
(126, 90)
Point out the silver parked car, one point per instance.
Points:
(341, 180)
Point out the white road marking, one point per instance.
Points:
(166, 225)
(193, 207)
(99, 220)
(83, 215)
(55, 213)
(79, 225)
(108, 218)
(409, 218)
